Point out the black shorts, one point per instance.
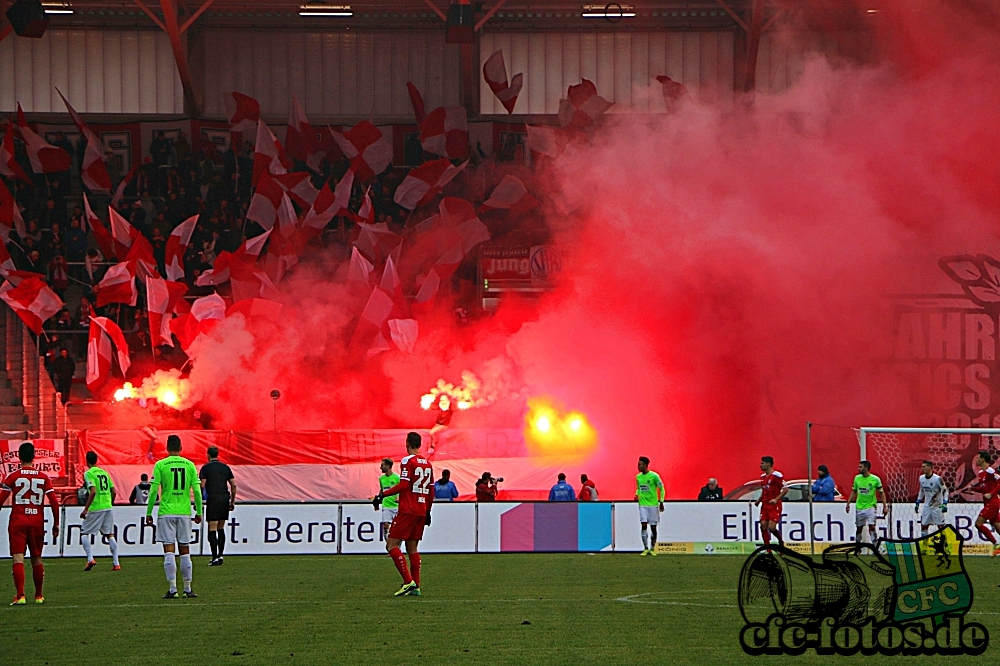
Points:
(217, 508)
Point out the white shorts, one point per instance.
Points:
(649, 514)
(864, 517)
(99, 521)
(173, 529)
(388, 515)
(932, 515)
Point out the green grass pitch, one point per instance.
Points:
(476, 609)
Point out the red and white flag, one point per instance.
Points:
(8, 165)
(444, 132)
(366, 213)
(244, 112)
(101, 233)
(510, 194)
(92, 171)
(177, 245)
(495, 73)
(44, 157)
(248, 281)
(268, 155)
(403, 333)
(417, 101)
(299, 187)
(247, 252)
(205, 314)
(123, 233)
(161, 301)
(425, 182)
(582, 105)
(367, 149)
(301, 141)
(32, 300)
(328, 205)
(7, 266)
(255, 309)
(673, 92)
(549, 141)
(376, 242)
(118, 285)
(377, 311)
(10, 214)
(120, 190)
(360, 269)
(103, 332)
(424, 300)
(266, 198)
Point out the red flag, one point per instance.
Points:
(425, 182)
(93, 172)
(417, 101)
(104, 239)
(673, 92)
(510, 194)
(376, 242)
(582, 105)
(123, 233)
(44, 157)
(10, 214)
(495, 73)
(367, 149)
(256, 308)
(120, 190)
(6, 263)
(328, 205)
(102, 332)
(141, 256)
(266, 198)
(205, 314)
(299, 187)
(445, 132)
(8, 165)
(245, 113)
(177, 244)
(301, 142)
(268, 155)
(118, 285)
(161, 300)
(32, 300)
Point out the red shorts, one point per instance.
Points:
(31, 537)
(407, 527)
(991, 512)
(770, 512)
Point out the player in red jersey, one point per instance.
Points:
(26, 529)
(416, 494)
(772, 490)
(988, 483)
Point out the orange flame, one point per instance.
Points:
(551, 432)
(165, 386)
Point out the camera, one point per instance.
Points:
(497, 479)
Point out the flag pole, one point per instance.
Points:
(809, 464)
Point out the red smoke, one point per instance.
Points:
(725, 271)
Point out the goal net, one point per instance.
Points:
(900, 452)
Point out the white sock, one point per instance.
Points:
(113, 545)
(170, 568)
(644, 537)
(87, 548)
(186, 571)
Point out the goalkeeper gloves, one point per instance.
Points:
(916, 508)
(944, 507)
(377, 501)
(427, 521)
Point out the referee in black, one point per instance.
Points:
(218, 484)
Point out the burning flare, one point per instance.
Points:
(167, 387)
(550, 432)
(464, 396)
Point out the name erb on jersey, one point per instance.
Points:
(29, 488)
(416, 496)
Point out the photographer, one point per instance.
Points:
(486, 488)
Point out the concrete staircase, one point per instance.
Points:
(29, 403)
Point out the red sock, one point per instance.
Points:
(38, 574)
(19, 578)
(397, 558)
(987, 534)
(415, 567)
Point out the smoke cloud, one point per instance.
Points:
(725, 271)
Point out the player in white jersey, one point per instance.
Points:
(934, 495)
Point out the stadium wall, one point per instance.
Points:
(347, 528)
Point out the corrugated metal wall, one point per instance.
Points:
(623, 66)
(99, 71)
(341, 74)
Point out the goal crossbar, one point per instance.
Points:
(864, 431)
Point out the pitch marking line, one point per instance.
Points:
(638, 599)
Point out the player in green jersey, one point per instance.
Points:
(97, 515)
(649, 492)
(867, 490)
(174, 479)
(390, 505)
